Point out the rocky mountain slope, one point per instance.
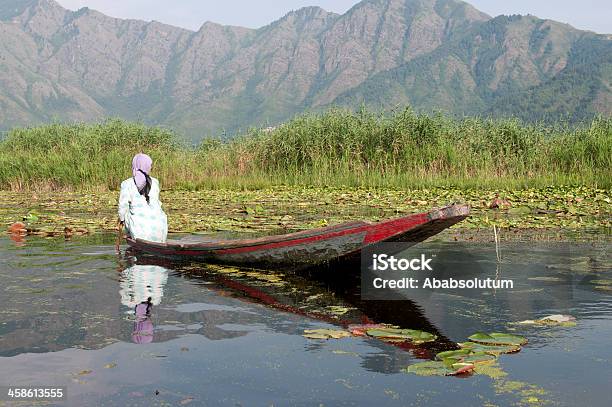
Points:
(57, 64)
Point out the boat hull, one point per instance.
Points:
(308, 248)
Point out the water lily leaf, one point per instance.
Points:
(453, 353)
(431, 368)
(31, 218)
(496, 338)
(338, 309)
(465, 355)
(557, 319)
(325, 333)
(519, 210)
(419, 337)
(397, 334)
(438, 368)
(461, 368)
(479, 357)
(386, 333)
(361, 329)
(490, 349)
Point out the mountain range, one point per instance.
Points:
(443, 55)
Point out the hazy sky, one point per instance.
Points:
(595, 15)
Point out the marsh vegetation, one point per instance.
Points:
(336, 148)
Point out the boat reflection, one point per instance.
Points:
(540, 288)
(297, 294)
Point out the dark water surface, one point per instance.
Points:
(70, 316)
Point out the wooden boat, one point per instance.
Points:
(308, 248)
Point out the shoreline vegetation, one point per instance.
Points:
(552, 213)
(337, 148)
(315, 170)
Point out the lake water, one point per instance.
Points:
(70, 316)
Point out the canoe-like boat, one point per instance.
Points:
(307, 248)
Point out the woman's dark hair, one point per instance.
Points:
(147, 187)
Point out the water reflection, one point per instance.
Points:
(64, 305)
(142, 287)
(295, 296)
(143, 326)
(141, 284)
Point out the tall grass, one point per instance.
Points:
(335, 148)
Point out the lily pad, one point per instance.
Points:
(490, 349)
(361, 329)
(461, 368)
(338, 309)
(438, 368)
(465, 355)
(31, 218)
(479, 357)
(520, 210)
(453, 353)
(496, 338)
(325, 333)
(397, 334)
(557, 319)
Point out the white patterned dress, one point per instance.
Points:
(146, 221)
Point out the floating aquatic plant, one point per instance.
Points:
(297, 208)
(338, 309)
(453, 353)
(496, 338)
(477, 358)
(325, 333)
(557, 319)
(490, 349)
(401, 335)
(466, 355)
(361, 329)
(439, 368)
(481, 352)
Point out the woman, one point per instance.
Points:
(140, 210)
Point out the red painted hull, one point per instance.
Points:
(312, 247)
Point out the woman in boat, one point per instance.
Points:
(140, 210)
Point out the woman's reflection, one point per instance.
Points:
(141, 288)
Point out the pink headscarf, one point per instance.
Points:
(141, 162)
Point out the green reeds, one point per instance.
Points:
(338, 147)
